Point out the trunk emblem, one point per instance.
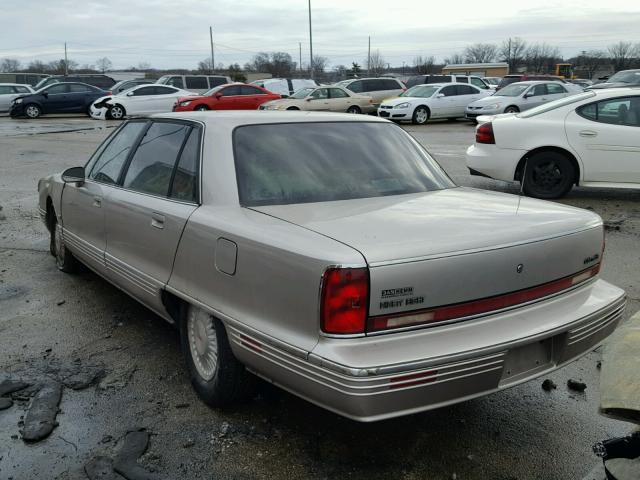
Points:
(520, 268)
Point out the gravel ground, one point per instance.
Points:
(121, 371)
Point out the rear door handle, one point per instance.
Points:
(97, 202)
(157, 220)
(588, 133)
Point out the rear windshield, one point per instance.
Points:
(278, 164)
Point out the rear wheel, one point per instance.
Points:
(420, 115)
(65, 260)
(548, 175)
(354, 109)
(216, 375)
(512, 109)
(117, 112)
(293, 108)
(32, 111)
(201, 108)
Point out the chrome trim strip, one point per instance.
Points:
(434, 256)
(81, 246)
(134, 276)
(581, 334)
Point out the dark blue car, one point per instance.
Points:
(68, 97)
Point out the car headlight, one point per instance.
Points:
(184, 104)
(493, 106)
(17, 100)
(402, 105)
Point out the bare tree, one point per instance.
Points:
(36, 66)
(589, 62)
(236, 73)
(423, 65)
(376, 63)
(319, 64)
(144, 66)
(512, 51)
(622, 54)
(9, 65)
(480, 53)
(205, 66)
(103, 64)
(58, 66)
(455, 59)
(540, 57)
(279, 64)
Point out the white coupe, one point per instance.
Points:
(421, 103)
(591, 139)
(140, 100)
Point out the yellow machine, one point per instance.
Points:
(564, 70)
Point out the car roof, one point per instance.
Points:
(15, 85)
(237, 118)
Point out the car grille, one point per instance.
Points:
(384, 114)
(388, 107)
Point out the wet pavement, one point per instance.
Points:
(125, 397)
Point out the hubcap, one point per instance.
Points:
(353, 110)
(421, 115)
(116, 112)
(201, 109)
(32, 112)
(547, 175)
(202, 343)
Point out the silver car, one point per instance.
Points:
(332, 256)
(520, 96)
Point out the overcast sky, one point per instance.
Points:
(175, 33)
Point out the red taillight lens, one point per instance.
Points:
(484, 133)
(345, 296)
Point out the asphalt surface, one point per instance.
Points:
(122, 371)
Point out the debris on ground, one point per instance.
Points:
(40, 419)
(8, 386)
(101, 468)
(576, 385)
(81, 377)
(548, 385)
(614, 224)
(5, 403)
(117, 379)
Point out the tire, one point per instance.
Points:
(512, 109)
(548, 175)
(354, 109)
(420, 115)
(116, 112)
(32, 111)
(219, 380)
(65, 261)
(293, 108)
(201, 108)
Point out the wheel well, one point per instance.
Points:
(428, 109)
(50, 215)
(202, 105)
(511, 106)
(520, 167)
(293, 108)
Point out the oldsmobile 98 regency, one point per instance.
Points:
(332, 256)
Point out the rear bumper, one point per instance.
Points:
(493, 162)
(457, 362)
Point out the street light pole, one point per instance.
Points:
(310, 45)
(213, 59)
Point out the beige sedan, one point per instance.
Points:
(328, 99)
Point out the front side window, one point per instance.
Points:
(22, 89)
(199, 83)
(337, 93)
(616, 111)
(175, 82)
(107, 167)
(279, 164)
(140, 92)
(538, 90)
(152, 165)
(6, 90)
(232, 91)
(420, 91)
(56, 89)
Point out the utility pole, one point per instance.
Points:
(213, 58)
(369, 58)
(300, 57)
(310, 45)
(66, 62)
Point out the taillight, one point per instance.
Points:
(344, 300)
(484, 133)
(108, 93)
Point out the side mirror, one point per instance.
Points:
(284, 96)
(45, 94)
(308, 99)
(218, 95)
(440, 95)
(130, 94)
(528, 94)
(73, 175)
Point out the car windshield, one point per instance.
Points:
(302, 93)
(210, 92)
(512, 90)
(630, 76)
(279, 164)
(556, 104)
(421, 91)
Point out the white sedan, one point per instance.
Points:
(10, 91)
(421, 103)
(140, 100)
(591, 139)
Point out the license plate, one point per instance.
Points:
(525, 361)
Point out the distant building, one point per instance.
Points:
(499, 69)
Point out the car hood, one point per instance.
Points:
(611, 85)
(435, 223)
(398, 100)
(187, 98)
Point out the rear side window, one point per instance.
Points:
(79, 89)
(356, 87)
(163, 90)
(152, 165)
(461, 79)
(449, 91)
(616, 111)
(216, 81)
(465, 90)
(185, 179)
(231, 91)
(337, 93)
(197, 82)
(554, 88)
(371, 85)
(437, 78)
(108, 166)
(57, 89)
(144, 91)
(247, 90)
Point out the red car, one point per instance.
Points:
(233, 96)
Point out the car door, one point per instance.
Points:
(556, 91)
(83, 205)
(252, 97)
(164, 98)
(228, 98)
(339, 100)
(606, 137)
(7, 94)
(145, 217)
(78, 97)
(141, 100)
(466, 95)
(55, 100)
(536, 95)
(318, 100)
(444, 103)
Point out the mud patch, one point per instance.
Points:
(40, 419)
(12, 291)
